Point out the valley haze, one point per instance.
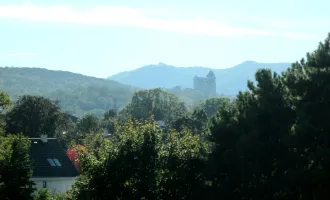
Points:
(229, 81)
(79, 93)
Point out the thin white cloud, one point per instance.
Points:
(122, 15)
(18, 54)
(298, 35)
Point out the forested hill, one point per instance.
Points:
(229, 81)
(77, 93)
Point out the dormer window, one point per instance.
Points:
(57, 162)
(54, 162)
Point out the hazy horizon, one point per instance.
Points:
(100, 39)
(156, 64)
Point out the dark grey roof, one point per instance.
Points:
(210, 74)
(39, 154)
(72, 118)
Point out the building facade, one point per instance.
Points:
(206, 85)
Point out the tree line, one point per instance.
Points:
(271, 142)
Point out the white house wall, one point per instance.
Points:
(56, 185)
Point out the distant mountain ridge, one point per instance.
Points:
(77, 93)
(229, 81)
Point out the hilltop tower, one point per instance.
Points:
(211, 83)
(206, 85)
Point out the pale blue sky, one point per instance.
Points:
(101, 38)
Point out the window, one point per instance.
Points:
(54, 162)
(57, 162)
(44, 184)
(51, 162)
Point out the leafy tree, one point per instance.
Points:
(89, 124)
(67, 133)
(109, 119)
(211, 105)
(15, 168)
(137, 164)
(250, 159)
(110, 114)
(45, 194)
(273, 141)
(187, 95)
(97, 145)
(182, 164)
(195, 121)
(184, 121)
(109, 125)
(308, 81)
(199, 119)
(124, 169)
(5, 102)
(34, 115)
(160, 104)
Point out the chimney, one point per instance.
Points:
(43, 138)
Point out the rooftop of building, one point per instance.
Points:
(49, 159)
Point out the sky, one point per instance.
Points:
(104, 37)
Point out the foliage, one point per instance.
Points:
(110, 114)
(67, 133)
(137, 164)
(272, 142)
(187, 95)
(160, 104)
(248, 137)
(195, 121)
(45, 194)
(5, 102)
(89, 124)
(76, 93)
(73, 133)
(211, 105)
(34, 115)
(181, 167)
(109, 119)
(309, 82)
(15, 168)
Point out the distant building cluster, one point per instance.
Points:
(206, 84)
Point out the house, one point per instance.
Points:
(161, 124)
(52, 168)
(72, 118)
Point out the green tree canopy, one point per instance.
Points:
(89, 124)
(157, 103)
(138, 164)
(5, 102)
(211, 105)
(272, 142)
(34, 115)
(15, 168)
(308, 81)
(109, 119)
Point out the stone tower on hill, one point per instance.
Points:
(206, 85)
